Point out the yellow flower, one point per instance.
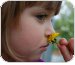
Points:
(52, 37)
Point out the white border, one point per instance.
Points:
(54, 63)
(0, 31)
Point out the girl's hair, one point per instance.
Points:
(9, 11)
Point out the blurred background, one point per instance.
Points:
(64, 24)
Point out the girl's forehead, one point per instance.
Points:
(48, 5)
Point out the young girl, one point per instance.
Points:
(25, 27)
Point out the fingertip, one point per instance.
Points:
(71, 40)
(71, 45)
(63, 41)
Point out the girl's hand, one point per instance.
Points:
(66, 48)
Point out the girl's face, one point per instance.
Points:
(29, 39)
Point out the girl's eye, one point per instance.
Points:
(41, 17)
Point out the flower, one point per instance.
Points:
(52, 37)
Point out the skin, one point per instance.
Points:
(66, 48)
(31, 34)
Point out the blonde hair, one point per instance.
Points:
(9, 11)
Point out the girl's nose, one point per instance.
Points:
(49, 30)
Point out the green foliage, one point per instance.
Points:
(65, 24)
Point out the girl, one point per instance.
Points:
(25, 27)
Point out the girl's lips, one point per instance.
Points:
(44, 47)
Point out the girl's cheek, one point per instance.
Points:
(24, 42)
(28, 37)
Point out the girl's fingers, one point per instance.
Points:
(64, 51)
(70, 46)
(63, 41)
